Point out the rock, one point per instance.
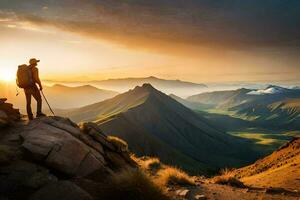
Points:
(88, 140)
(61, 190)
(21, 175)
(64, 124)
(3, 123)
(183, 192)
(3, 100)
(67, 156)
(61, 145)
(7, 113)
(89, 165)
(200, 197)
(6, 154)
(3, 115)
(88, 126)
(93, 131)
(116, 160)
(4, 120)
(57, 148)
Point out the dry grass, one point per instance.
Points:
(232, 181)
(151, 164)
(173, 176)
(120, 144)
(227, 178)
(131, 184)
(163, 175)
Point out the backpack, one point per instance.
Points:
(24, 76)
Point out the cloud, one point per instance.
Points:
(173, 25)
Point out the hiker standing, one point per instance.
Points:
(28, 79)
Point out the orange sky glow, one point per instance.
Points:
(71, 56)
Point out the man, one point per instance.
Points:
(33, 90)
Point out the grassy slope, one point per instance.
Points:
(280, 169)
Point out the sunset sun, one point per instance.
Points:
(7, 75)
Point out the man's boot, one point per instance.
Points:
(30, 117)
(40, 115)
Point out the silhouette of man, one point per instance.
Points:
(33, 90)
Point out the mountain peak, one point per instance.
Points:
(147, 87)
(152, 77)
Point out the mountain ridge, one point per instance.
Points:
(146, 111)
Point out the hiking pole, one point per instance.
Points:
(47, 103)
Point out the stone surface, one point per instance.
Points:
(61, 145)
(21, 175)
(94, 131)
(61, 190)
(200, 197)
(7, 113)
(182, 192)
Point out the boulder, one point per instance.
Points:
(4, 120)
(53, 142)
(3, 100)
(61, 190)
(7, 113)
(95, 132)
(22, 175)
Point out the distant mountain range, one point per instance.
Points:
(273, 106)
(190, 104)
(60, 96)
(64, 97)
(178, 87)
(155, 124)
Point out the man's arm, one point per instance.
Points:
(36, 77)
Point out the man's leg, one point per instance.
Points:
(37, 96)
(28, 104)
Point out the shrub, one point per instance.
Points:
(154, 164)
(131, 184)
(173, 176)
(150, 164)
(228, 180)
(120, 144)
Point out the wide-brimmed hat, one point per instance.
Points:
(33, 61)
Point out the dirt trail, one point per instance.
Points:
(223, 192)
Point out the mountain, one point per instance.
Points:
(280, 169)
(60, 96)
(177, 87)
(231, 98)
(271, 89)
(223, 99)
(274, 106)
(284, 114)
(191, 105)
(154, 124)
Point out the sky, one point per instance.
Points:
(194, 40)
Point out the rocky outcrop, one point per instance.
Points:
(54, 151)
(61, 190)
(7, 113)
